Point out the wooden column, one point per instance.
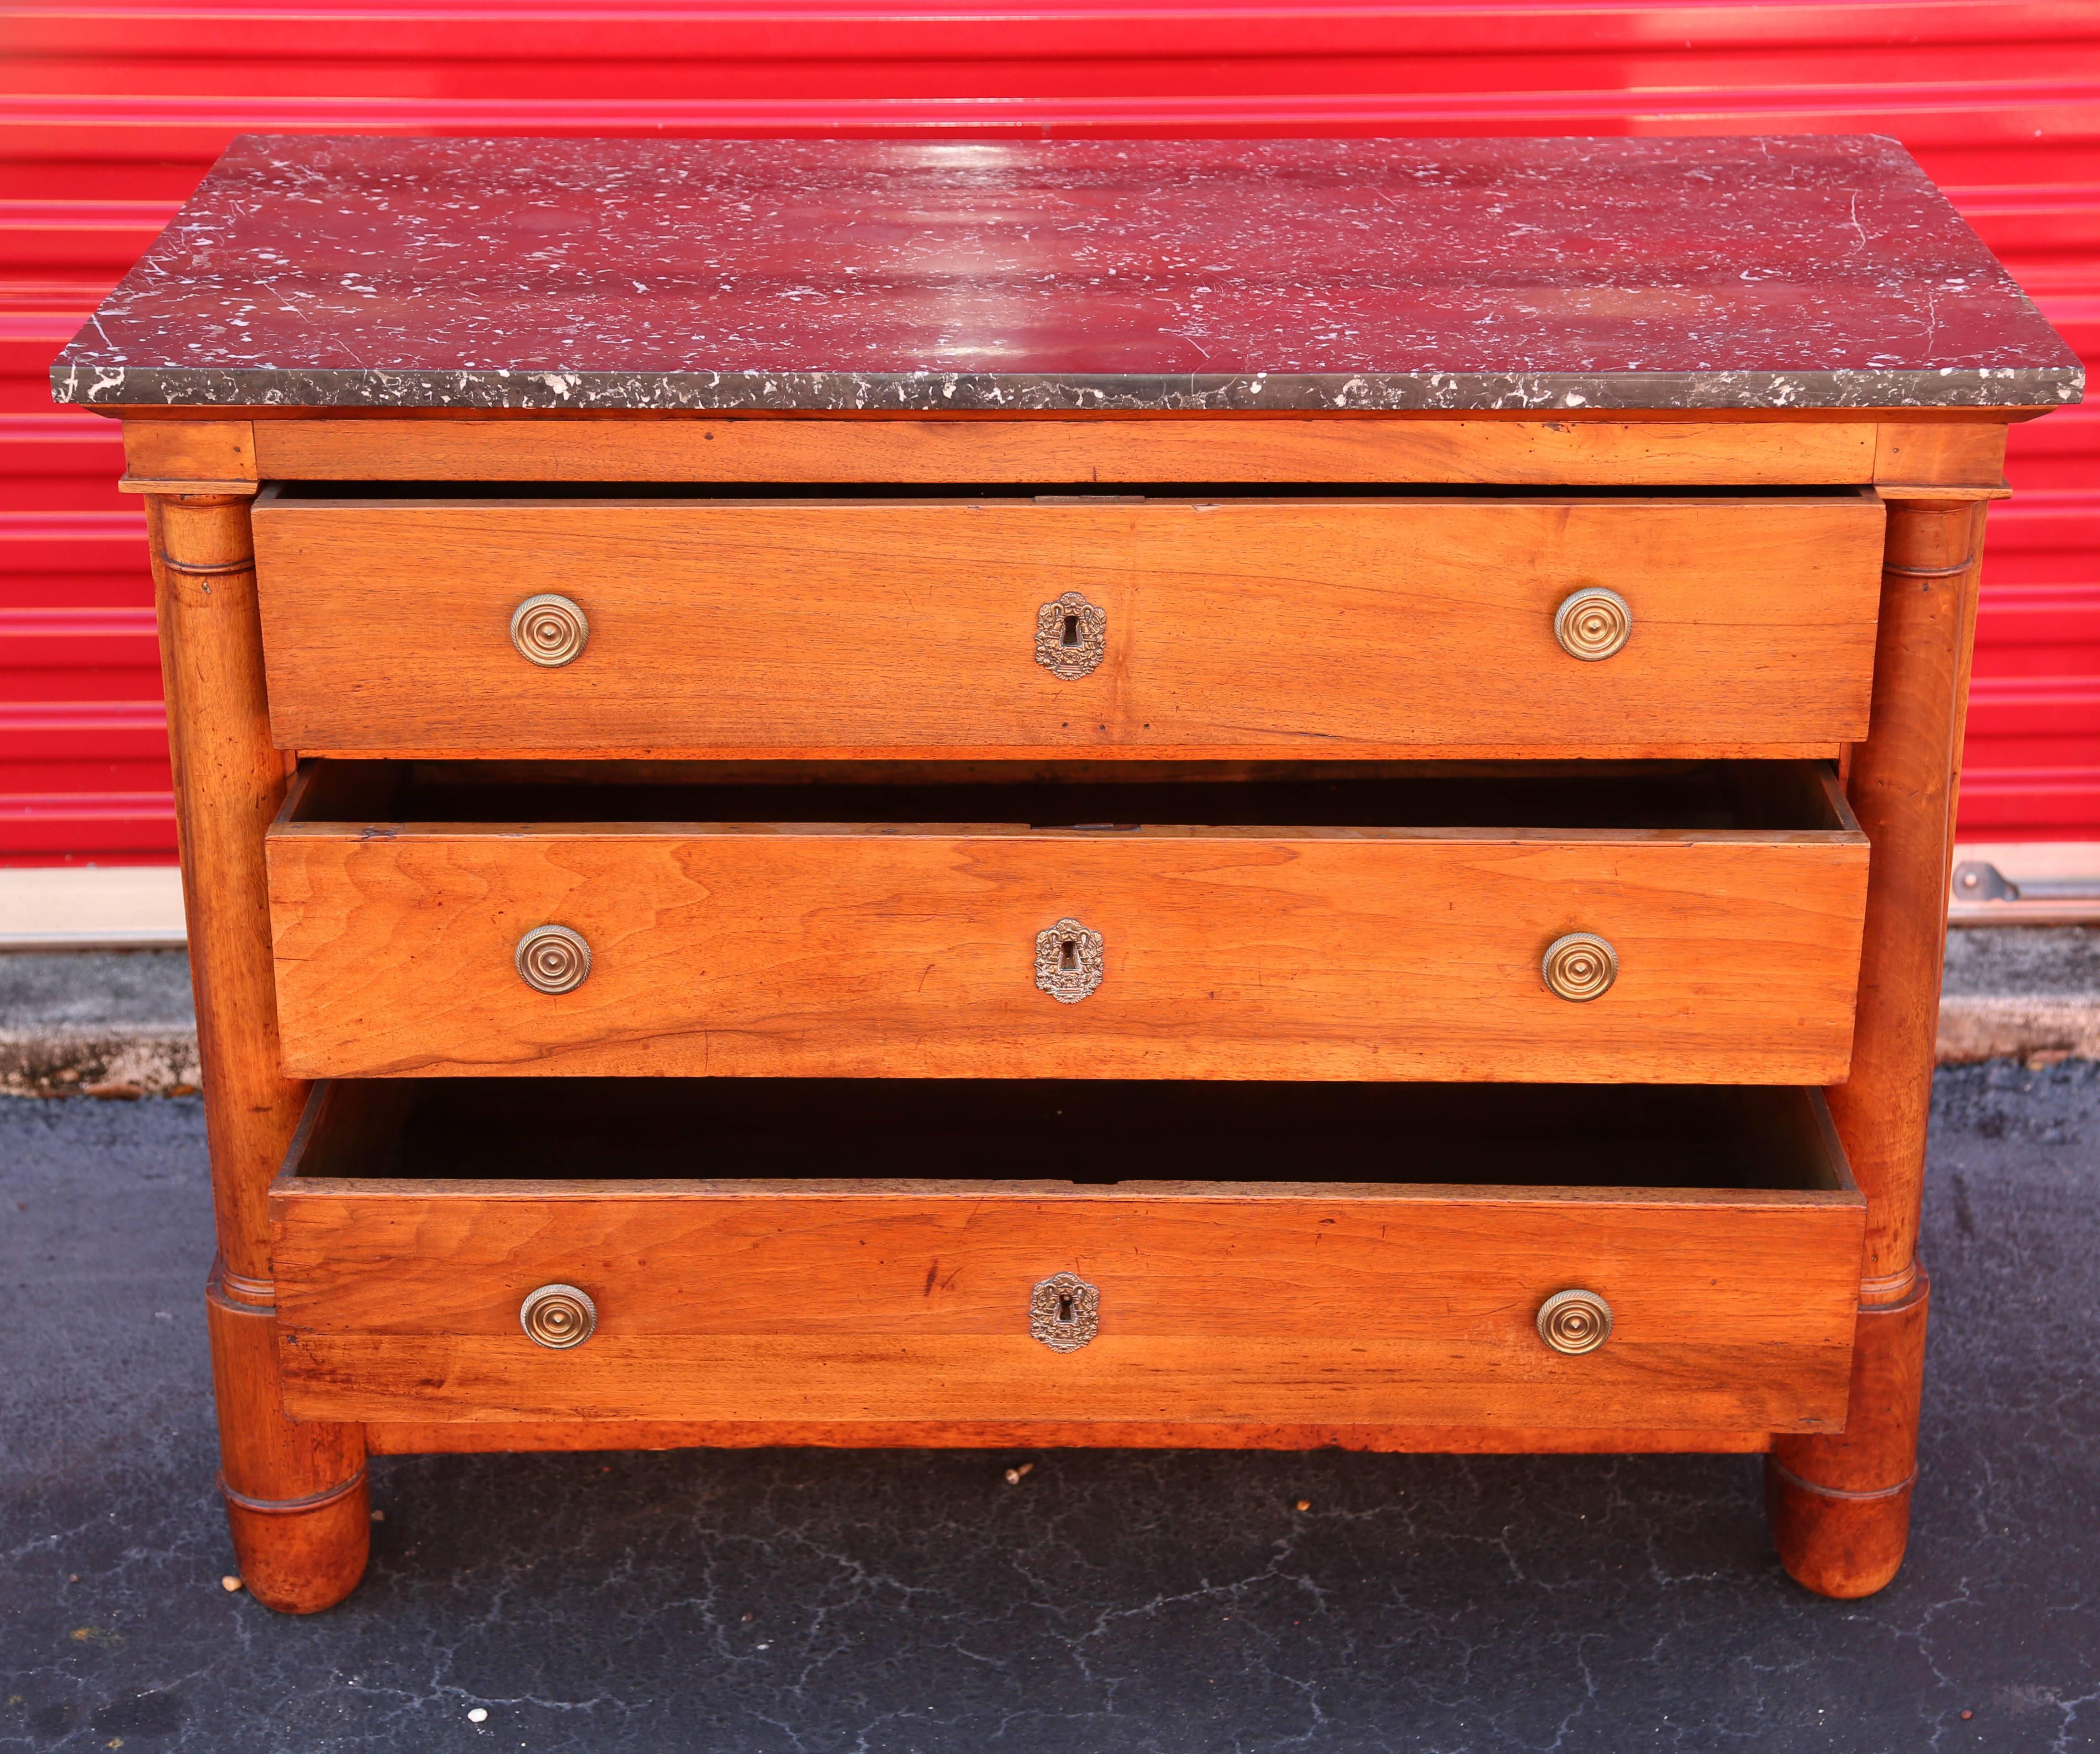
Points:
(1840, 1506)
(296, 1495)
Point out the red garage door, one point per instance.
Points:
(113, 114)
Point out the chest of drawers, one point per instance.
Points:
(1297, 794)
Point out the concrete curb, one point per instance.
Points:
(116, 1026)
(113, 1023)
(114, 1063)
(164, 1061)
(1972, 1028)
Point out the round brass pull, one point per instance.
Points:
(549, 631)
(1593, 624)
(1574, 1322)
(553, 959)
(1580, 967)
(558, 1317)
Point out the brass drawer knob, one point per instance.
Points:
(1580, 967)
(1574, 1322)
(549, 631)
(1064, 1312)
(1593, 624)
(1071, 636)
(1068, 961)
(553, 959)
(558, 1317)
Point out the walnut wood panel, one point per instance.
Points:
(297, 1503)
(1554, 451)
(1904, 784)
(405, 1438)
(228, 784)
(881, 951)
(295, 1495)
(1840, 1509)
(1945, 453)
(190, 452)
(1840, 1504)
(1234, 626)
(1323, 1304)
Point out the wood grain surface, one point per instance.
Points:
(192, 452)
(415, 1437)
(1235, 626)
(228, 781)
(882, 950)
(1557, 452)
(1320, 1303)
(1952, 453)
(295, 1494)
(1905, 784)
(1839, 1509)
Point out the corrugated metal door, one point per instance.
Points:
(113, 114)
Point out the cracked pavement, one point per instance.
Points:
(875, 1602)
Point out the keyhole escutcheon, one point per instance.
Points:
(1071, 636)
(1068, 961)
(1064, 1312)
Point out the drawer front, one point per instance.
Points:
(1211, 953)
(1242, 628)
(1219, 1303)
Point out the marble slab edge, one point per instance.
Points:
(89, 384)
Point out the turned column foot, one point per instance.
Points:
(1840, 1506)
(297, 1499)
(302, 1555)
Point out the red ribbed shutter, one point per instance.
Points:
(111, 117)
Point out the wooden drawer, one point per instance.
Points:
(1344, 625)
(1355, 1254)
(1395, 926)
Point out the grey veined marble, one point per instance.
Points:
(1795, 271)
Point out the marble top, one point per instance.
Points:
(1795, 271)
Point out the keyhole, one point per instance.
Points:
(1071, 635)
(1064, 1309)
(1068, 956)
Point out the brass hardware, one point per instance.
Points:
(1580, 967)
(549, 631)
(1068, 961)
(1071, 637)
(1574, 1322)
(553, 959)
(558, 1317)
(1593, 624)
(1064, 1312)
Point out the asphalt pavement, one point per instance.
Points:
(884, 1602)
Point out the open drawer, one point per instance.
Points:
(1659, 922)
(1006, 1253)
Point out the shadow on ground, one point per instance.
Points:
(742, 1603)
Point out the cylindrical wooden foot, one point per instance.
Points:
(1840, 1507)
(305, 1556)
(296, 1495)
